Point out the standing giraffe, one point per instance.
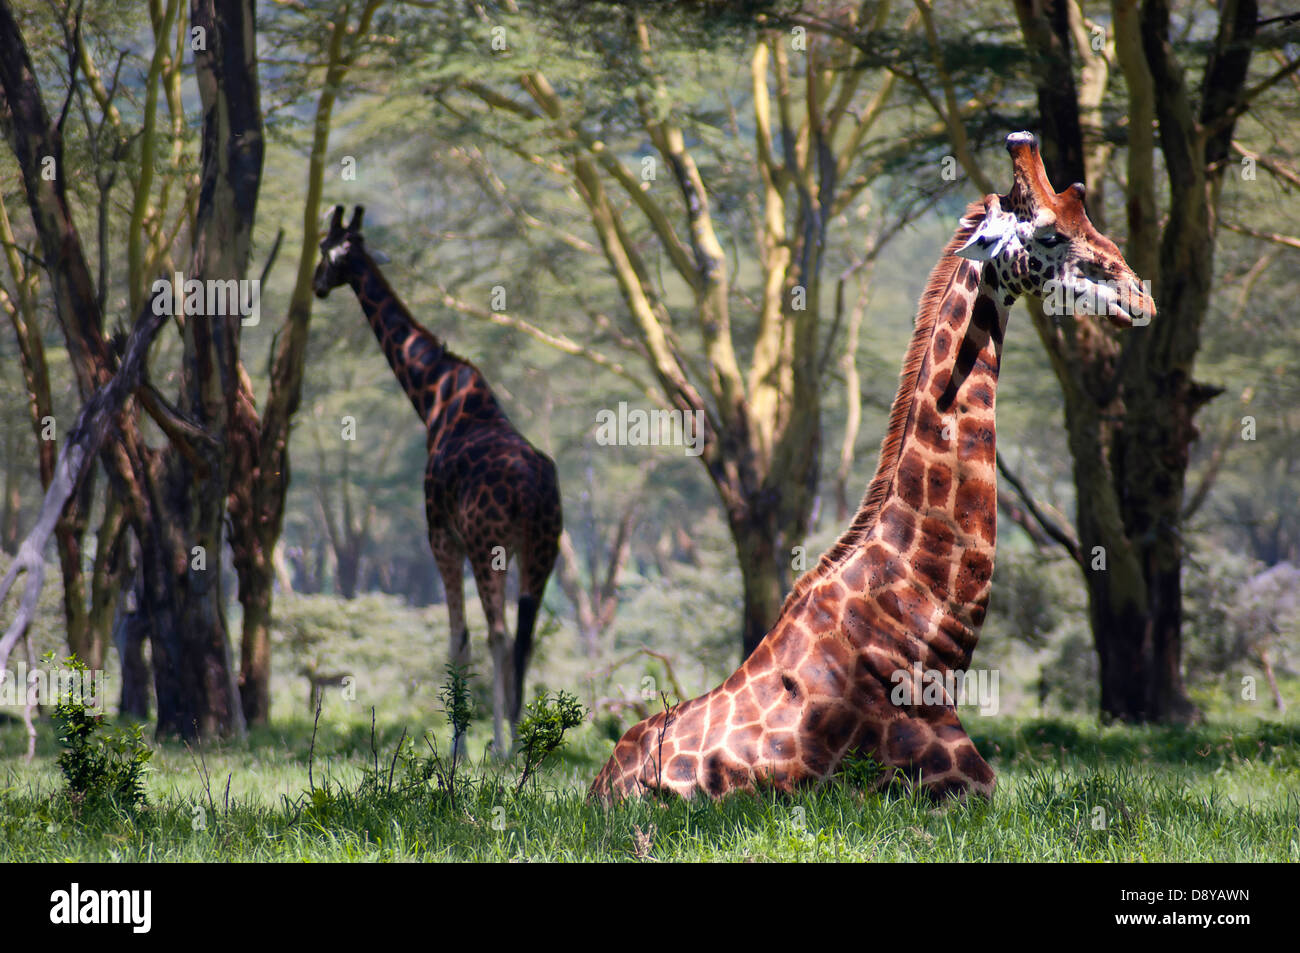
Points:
(908, 583)
(488, 493)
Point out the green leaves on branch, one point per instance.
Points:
(98, 764)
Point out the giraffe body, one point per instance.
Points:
(489, 494)
(909, 582)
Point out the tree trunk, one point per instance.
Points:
(257, 498)
(193, 668)
(255, 648)
(1130, 401)
(256, 507)
(348, 573)
(105, 580)
(130, 631)
(70, 533)
(177, 498)
(764, 572)
(11, 531)
(182, 591)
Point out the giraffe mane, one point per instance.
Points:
(936, 288)
(446, 352)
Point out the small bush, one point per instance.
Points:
(541, 731)
(98, 764)
(458, 704)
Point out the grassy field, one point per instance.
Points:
(1068, 790)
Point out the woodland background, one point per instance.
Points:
(648, 186)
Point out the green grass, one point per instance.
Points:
(1226, 791)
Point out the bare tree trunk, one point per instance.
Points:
(1130, 402)
(130, 633)
(261, 446)
(765, 576)
(11, 518)
(87, 436)
(596, 603)
(193, 669)
(105, 580)
(69, 531)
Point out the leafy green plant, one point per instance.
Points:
(541, 732)
(458, 705)
(417, 770)
(860, 771)
(98, 764)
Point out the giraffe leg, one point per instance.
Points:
(491, 583)
(937, 753)
(451, 566)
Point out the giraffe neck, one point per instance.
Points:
(922, 545)
(939, 515)
(417, 356)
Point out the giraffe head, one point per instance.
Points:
(340, 251)
(1040, 242)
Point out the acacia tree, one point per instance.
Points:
(37, 142)
(1131, 400)
(174, 496)
(118, 153)
(590, 580)
(812, 124)
(1130, 397)
(216, 436)
(260, 443)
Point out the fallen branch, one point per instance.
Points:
(75, 460)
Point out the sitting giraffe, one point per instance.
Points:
(908, 583)
(488, 493)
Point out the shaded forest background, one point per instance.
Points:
(605, 203)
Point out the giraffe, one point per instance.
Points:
(907, 584)
(489, 495)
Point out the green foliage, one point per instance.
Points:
(541, 730)
(98, 764)
(390, 648)
(860, 770)
(1211, 793)
(407, 772)
(1214, 584)
(1068, 677)
(456, 700)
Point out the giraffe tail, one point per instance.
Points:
(523, 651)
(537, 555)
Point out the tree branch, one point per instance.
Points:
(560, 342)
(1215, 463)
(1290, 241)
(1055, 530)
(83, 443)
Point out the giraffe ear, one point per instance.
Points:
(990, 236)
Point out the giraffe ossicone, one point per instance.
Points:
(489, 494)
(906, 587)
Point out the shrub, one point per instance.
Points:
(98, 764)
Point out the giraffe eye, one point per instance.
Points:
(1052, 240)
